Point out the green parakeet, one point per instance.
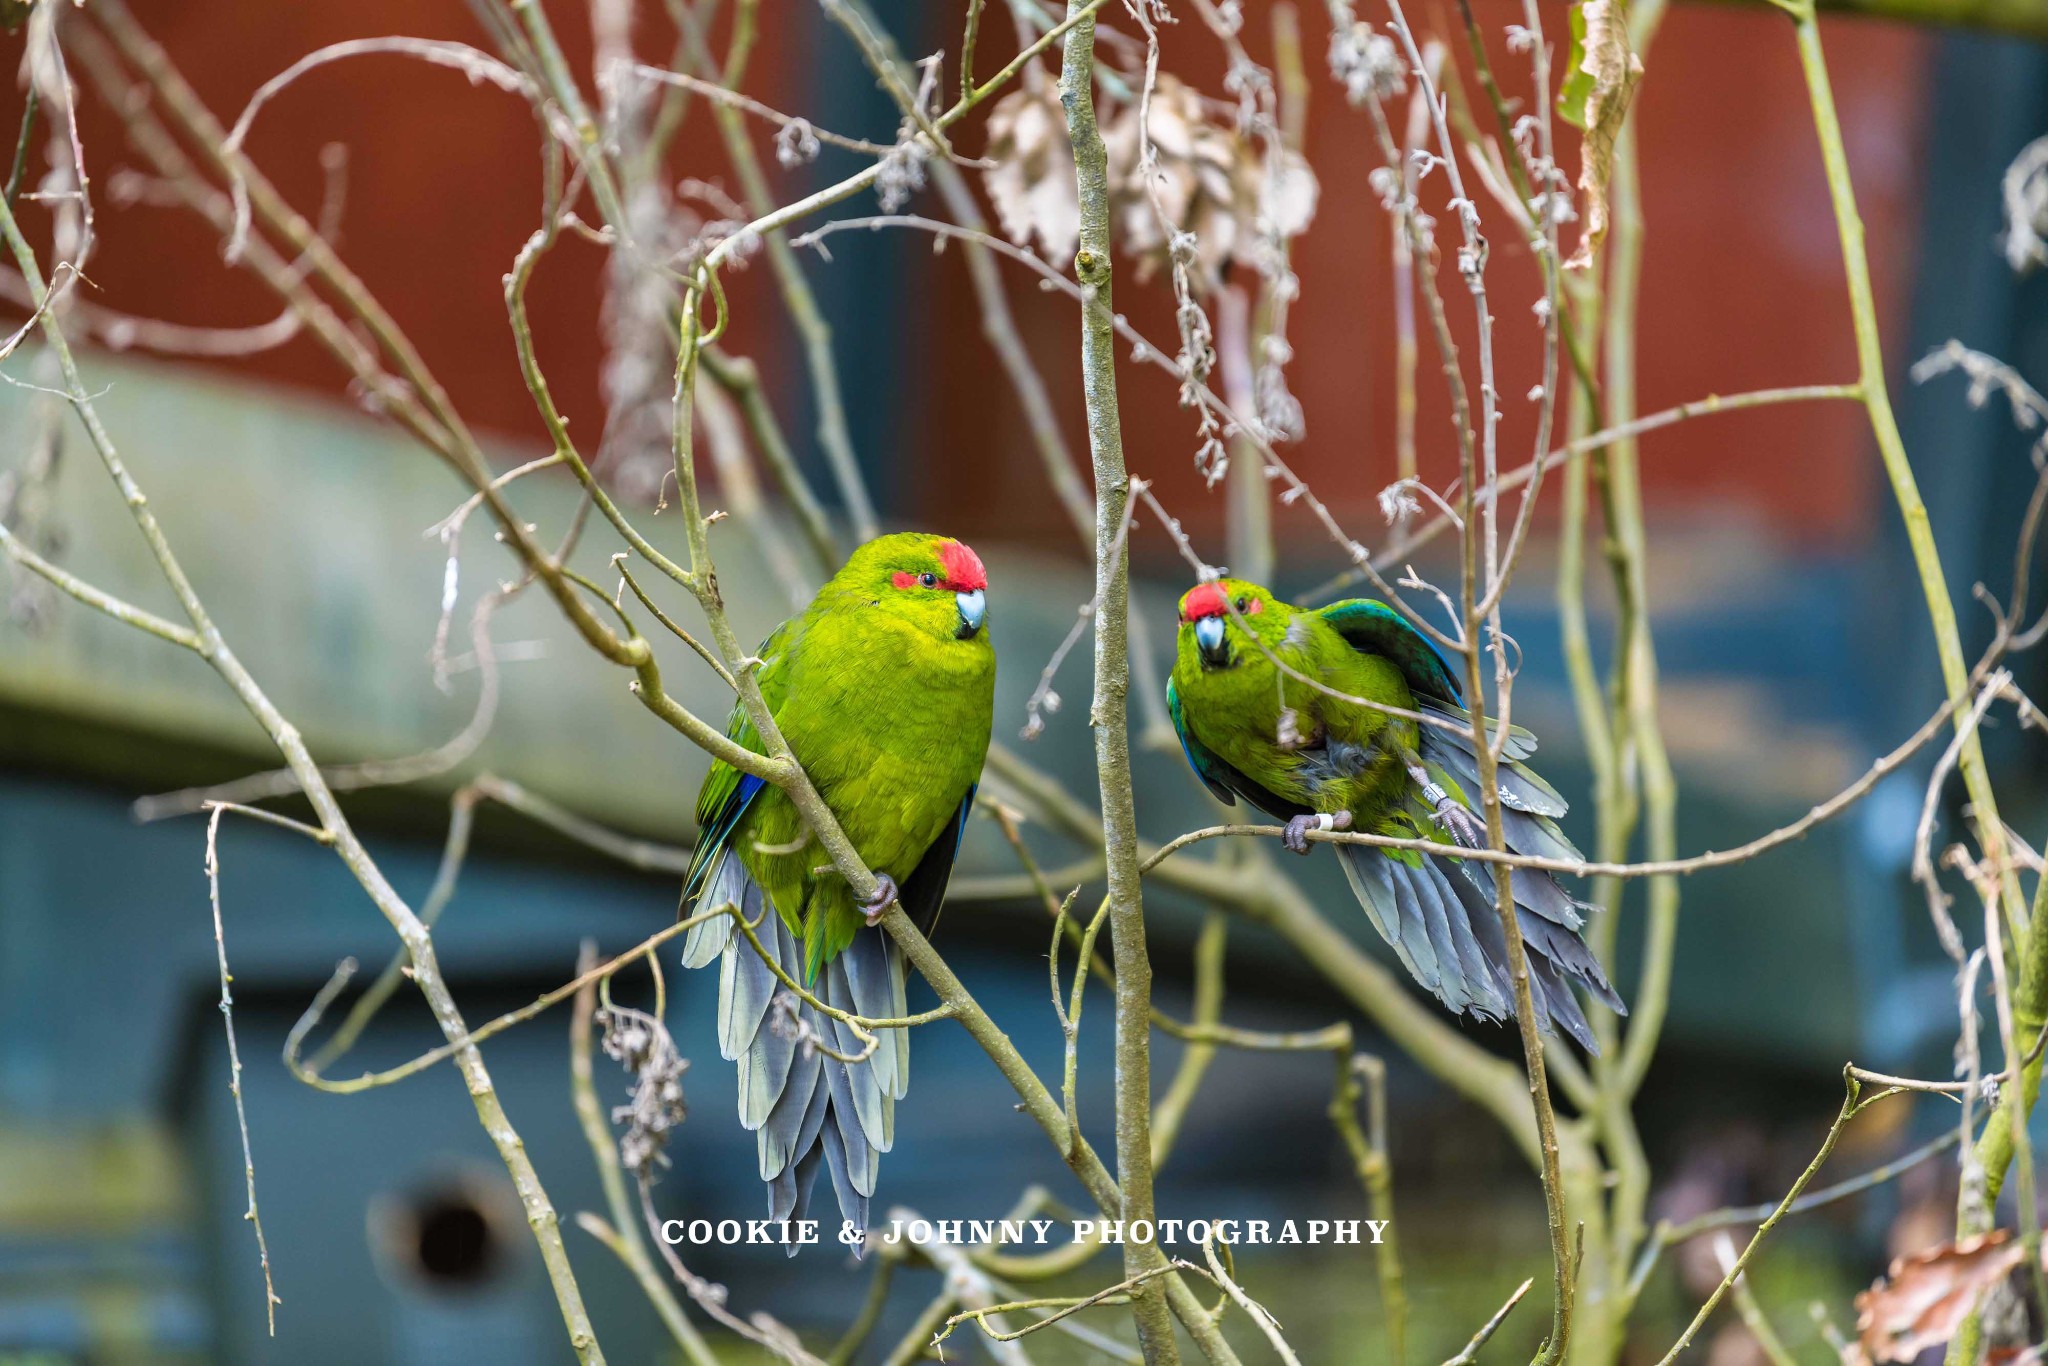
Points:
(885, 690)
(1317, 761)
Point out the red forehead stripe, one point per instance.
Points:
(964, 573)
(1204, 600)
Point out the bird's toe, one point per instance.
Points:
(1296, 836)
(884, 897)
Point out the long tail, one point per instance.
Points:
(803, 1105)
(1439, 914)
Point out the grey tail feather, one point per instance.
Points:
(1441, 921)
(707, 939)
(805, 1108)
(1553, 998)
(1399, 924)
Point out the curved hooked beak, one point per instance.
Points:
(1209, 636)
(973, 608)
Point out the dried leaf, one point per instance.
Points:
(1032, 182)
(1600, 81)
(1924, 1298)
(1210, 182)
(1205, 180)
(1290, 195)
(2025, 190)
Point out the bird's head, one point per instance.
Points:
(934, 583)
(1217, 619)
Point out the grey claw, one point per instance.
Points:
(884, 897)
(1464, 829)
(1296, 837)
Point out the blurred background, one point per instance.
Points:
(1788, 621)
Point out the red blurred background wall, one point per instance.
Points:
(1741, 287)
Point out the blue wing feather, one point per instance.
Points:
(727, 792)
(713, 837)
(1377, 629)
(1219, 775)
(1207, 766)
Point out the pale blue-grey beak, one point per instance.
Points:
(1209, 635)
(973, 607)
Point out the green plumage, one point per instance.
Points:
(1281, 706)
(884, 689)
(888, 711)
(1241, 714)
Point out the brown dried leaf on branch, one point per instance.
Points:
(1032, 181)
(1600, 80)
(1924, 1297)
(1211, 183)
(1203, 178)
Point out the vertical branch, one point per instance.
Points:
(797, 296)
(1248, 510)
(1480, 577)
(2014, 1098)
(1636, 777)
(1624, 745)
(1658, 788)
(622, 1234)
(1407, 353)
(2030, 1012)
(1376, 1173)
(1891, 448)
(1996, 1149)
(1113, 677)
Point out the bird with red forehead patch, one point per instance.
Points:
(1346, 718)
(884, 688)
(1206, 610)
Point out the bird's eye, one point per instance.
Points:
(928, 579)
(1241, 605)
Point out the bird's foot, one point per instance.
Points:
(1296, 836)
(884, 897)
(1465, 829)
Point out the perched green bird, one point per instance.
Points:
(1253, 730)
(885, 690)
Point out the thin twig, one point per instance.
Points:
(227, 1015)
(1470, 1353)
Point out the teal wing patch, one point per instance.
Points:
(727, 792)
(1219, 775)
(1213, 772)
(1376, 629)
